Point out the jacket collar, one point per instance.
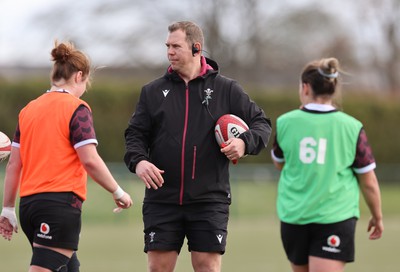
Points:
(207, 66)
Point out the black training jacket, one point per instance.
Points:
(173, 127)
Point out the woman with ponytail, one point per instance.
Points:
(53, 150)
(325, 160)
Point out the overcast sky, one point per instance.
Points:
(25, 42)
(17, 38)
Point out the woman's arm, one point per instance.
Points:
(370, 189)
(8, 218)
(98, 171)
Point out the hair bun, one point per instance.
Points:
(61, 52)
(329, 68)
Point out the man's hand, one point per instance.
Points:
(150, 174)
(233, 149)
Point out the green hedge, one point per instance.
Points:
(114, 102)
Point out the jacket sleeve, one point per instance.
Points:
(137, 135)
(258, 135)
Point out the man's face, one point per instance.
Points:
(178, 51)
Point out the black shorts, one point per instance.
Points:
(331, 241)
(51, 219)
(204, 225)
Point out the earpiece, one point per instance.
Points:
(195, 50)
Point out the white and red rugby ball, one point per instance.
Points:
(229, 126)
(5, 146)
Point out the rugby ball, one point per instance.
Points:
(229, 126)
(5, 146)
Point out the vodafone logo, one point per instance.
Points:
(333, 241)
(44, 228)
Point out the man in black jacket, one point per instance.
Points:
(170, 145)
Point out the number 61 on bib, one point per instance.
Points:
(312, 149)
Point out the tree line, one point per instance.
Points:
(114, 102)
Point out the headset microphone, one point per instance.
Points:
(195, 50)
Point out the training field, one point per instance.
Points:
(114, 242)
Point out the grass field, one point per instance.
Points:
(114, 242)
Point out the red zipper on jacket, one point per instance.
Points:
(194, 162)
(183, 145)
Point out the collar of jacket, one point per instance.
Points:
(206, 66)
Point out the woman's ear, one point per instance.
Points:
(306, 88)
(78, 77)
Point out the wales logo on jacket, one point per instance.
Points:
(208, 97)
